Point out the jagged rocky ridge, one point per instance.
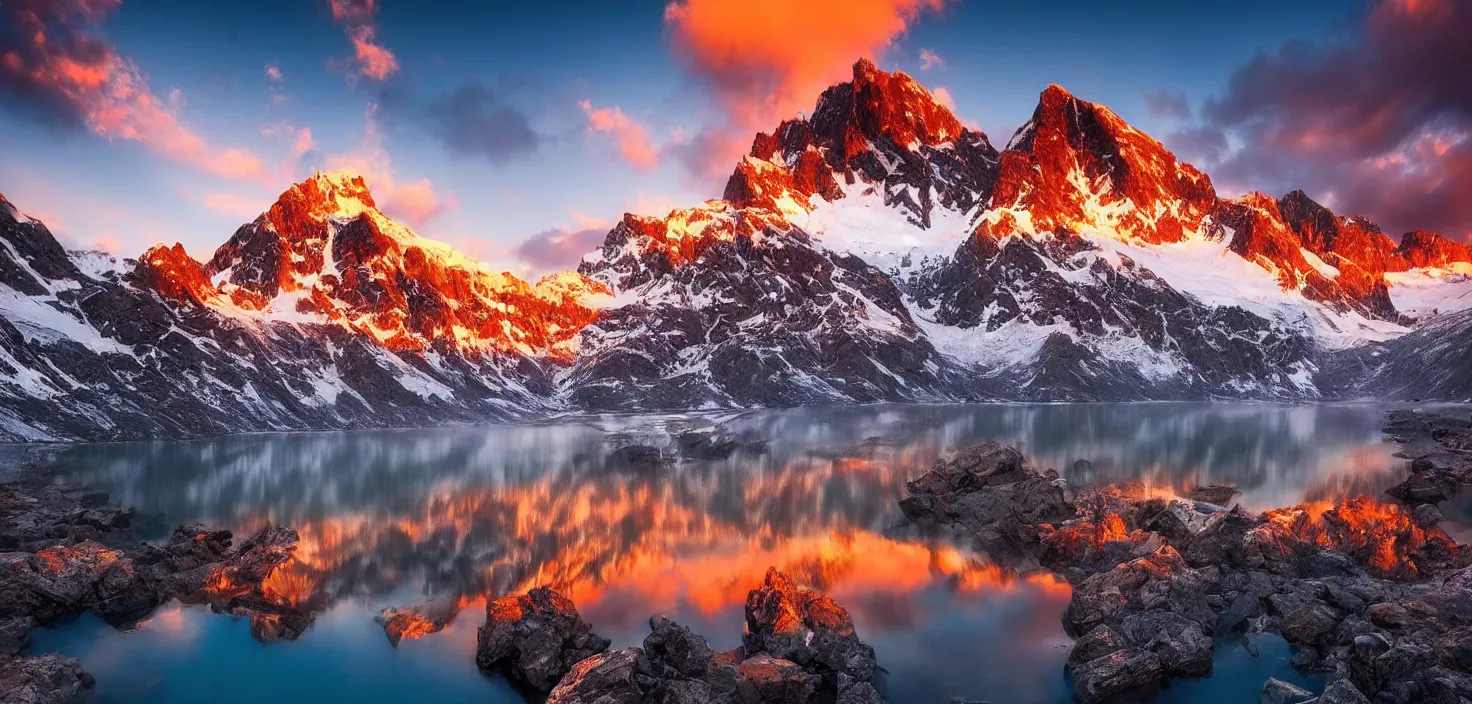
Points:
(878, 250)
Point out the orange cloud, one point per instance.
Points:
(373, 59)
(53, 58)
(930, 59)
(632, 139)
(767, 59)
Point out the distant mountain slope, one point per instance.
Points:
(879, 250)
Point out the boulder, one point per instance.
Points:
(987, 492)
(805, 627)
(778, 681)
(48, 679)
(604, 678)
(1426, 487)
(417, 621)
(1182, 644)
(1342, 692)
(675, 649)
(15, 634)
(1218, 494)
(1160, 581)
(1276, 691)
(1119, 672)
(535, 638)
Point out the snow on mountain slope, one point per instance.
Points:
(878, 250)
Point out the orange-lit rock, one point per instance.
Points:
(419, 621)
(1429, 249)
(1076, 165)
(535, 638)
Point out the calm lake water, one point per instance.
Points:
(391, 518)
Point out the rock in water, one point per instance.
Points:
(607, 678)
(779, 680)
(417, 621)
(48, 679)
(1276, 691)
(1342, 692)
(800, 648)
(675, 647)
(535, 638)
(806, 627)
(988, 492)
(1119, 672)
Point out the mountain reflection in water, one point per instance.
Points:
(395, 517)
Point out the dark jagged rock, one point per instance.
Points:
(1213, 494)
(986, 491)
(1117, 673)
(15, 634)
(1276, 691)
(417, 621)
(1424, 488)
(806, 627)
(47, 679)
(799, 648)
(779, 681)
(673, 648)
(604, 678)
(1368, 589)
(75, 555)
(534, 638)
(1342, 692)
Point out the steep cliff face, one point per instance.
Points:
(324, 252)
(1077, 167)
(876, 250)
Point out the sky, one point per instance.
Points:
(520, 132)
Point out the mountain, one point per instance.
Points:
(877, 250)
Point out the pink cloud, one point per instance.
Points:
(416, 201)
(303, 142)
(234, 205)
(357, 17)
(765, 60)
(944, 97)
(632, 139)
(57, 60)
(930, 60)
(273, 73)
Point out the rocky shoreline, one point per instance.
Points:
(1367, 589)
(64, 552)
(1370, 591)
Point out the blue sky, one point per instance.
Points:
(482, 113)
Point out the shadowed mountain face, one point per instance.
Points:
(879, 250)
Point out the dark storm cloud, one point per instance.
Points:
(1379, 123)
(1167, 105)
(472, 120)
(559, 249)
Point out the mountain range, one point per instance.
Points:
(878, 250)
